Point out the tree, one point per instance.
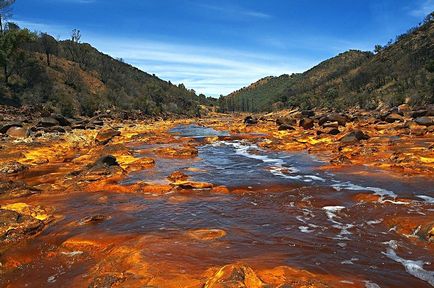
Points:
(378, 49)
(5, 13)
(49, 45)
(11, 56)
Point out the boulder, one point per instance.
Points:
(286, 121)
(106, 161)
(5, 127)
(18, 132)
(250, 120)
(286, 127)
(105, 136)
(308, 113)
(418, 113)
(335, 117)
(177, 176)
(332, 131)
(393, 117)
(61, 119)
(354, 136)
(12, 167)
(48, 122)
(404, 108)
(234, 276)
(425, 121)
(307, 123)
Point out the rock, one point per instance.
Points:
(93, 219)
(234, 276)
(418, 113)
(249, 120)
(307, 123)
(286, 121)
(5, 127)
(183, 151)
(207, 234)
(177, 176)
(332, 131)
(334, 117)
(393, 117)
(354, 136)
(48, 122)
(193, 185)
(425, 121)
(107, 281)
(12, 167)
(61, 119)
(15, 226)
(341, 160)
(308, 113)
(105, 161)
(285, 127)
(18, 132)
(105, 136)
(404, 108)
(331, 124)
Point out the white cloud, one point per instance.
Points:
(424, 9)
(236, 12)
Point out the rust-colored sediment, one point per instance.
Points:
(57, 197)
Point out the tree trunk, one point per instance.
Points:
(5, 69)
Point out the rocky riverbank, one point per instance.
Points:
(56, 174)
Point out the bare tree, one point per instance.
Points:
(49, 45)
(5, 13)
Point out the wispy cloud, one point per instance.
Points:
(424, 9)
(207, 70)
(236, 12)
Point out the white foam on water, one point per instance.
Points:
(277, 165)
(73, 253)
(426, 198)
(354, 187)
(305, 229)
(413, 267)
(374, 222)
(369, 284)
(331, 215)
(350, 262)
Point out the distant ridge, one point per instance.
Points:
(402, 71)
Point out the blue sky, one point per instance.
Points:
(217, 46)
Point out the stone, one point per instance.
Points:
(193, 185)
(285, 127)
(307, 123)
(341, 160)
(425, 121)
(177, 176)
(250, 120)
(48, 122)
(308, 113)
(418, 113)
(354, 136)
(331, 124)
(332, 131)
(93, 219)
(105, 136)
(404, 108)
(393, 117)
(5, 127)
(234, 276)
(61, 119)
(335, 117)
(106, 161)
(12, 167)
(286, 121)
(18, 132)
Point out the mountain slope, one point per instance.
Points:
(354, 78)
(74, 78)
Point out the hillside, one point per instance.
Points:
(73, 78)
(398, 72)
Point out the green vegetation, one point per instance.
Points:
(74, 78)
(402, 70)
